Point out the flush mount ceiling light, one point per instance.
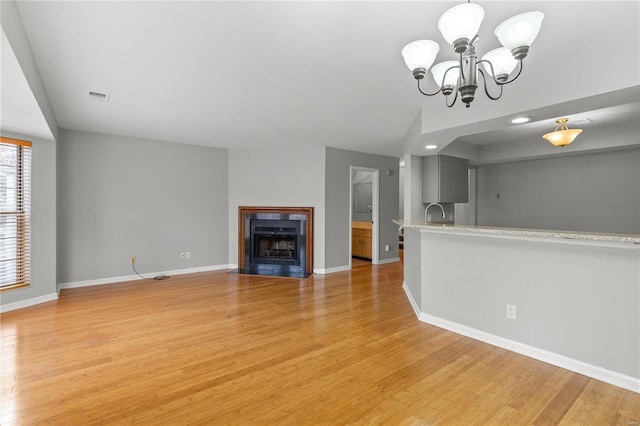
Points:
(459, 27)
(430, 146)
(562, 136)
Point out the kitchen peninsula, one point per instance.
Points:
(568, 298)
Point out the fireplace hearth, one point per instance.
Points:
(275, 241)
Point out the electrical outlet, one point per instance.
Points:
(132, 260)
(386, 247)
(182, 255)
(511, 311)
(187, 255)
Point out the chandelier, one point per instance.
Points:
(562, 135)
(459, 27)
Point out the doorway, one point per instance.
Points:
(363, 213)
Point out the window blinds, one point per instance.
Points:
(15, 212)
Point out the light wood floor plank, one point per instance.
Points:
(218, 348)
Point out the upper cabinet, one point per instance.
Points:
(445, 179)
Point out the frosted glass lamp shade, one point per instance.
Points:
(462, 21)
(502, 61)
(451, 78)
(562, 135)
(420, 54)
(519, 30)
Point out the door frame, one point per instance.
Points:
(375, 212)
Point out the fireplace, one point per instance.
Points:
(275, 241)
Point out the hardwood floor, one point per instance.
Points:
(220, 348)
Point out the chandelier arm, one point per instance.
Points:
(493, 72)
(486, 89)
(444, 76)
(517, 75)
(455, 97)
(428, 94)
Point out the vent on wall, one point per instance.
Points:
(97, 96)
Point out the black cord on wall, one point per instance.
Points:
(157, 277)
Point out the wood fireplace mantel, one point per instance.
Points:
(244, 211)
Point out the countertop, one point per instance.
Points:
(521, 232)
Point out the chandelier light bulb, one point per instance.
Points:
(461, 22)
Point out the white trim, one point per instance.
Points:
(594, 371)
(375, 212)
(29, 302)
(414, 305)
(392, 260)
(332, 270)
(112, 280)
(375, 218)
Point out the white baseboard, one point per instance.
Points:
(111, 280)
(29, 302)
(598, 373)
(331, 270)
(385, 261)
(348, 267)
(414, 304)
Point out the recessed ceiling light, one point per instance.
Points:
(520, 120)
(430, 146)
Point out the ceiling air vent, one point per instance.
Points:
(97, 96)
(581, 121)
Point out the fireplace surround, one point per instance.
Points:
(275, 241)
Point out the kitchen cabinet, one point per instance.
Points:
(445, 179)
(361, 239)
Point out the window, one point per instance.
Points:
(15, 212)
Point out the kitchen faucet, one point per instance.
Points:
(427, 209)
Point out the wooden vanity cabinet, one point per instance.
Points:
(361, 239)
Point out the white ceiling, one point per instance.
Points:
(19, 111)
(245, 74)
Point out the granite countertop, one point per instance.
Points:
(522, 232)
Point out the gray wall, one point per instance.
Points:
(283, 177)
(43, 222)
(120, 197)
(413, 265)
(337, 188)
(577, 299)
(413, 206)
(591, 192)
